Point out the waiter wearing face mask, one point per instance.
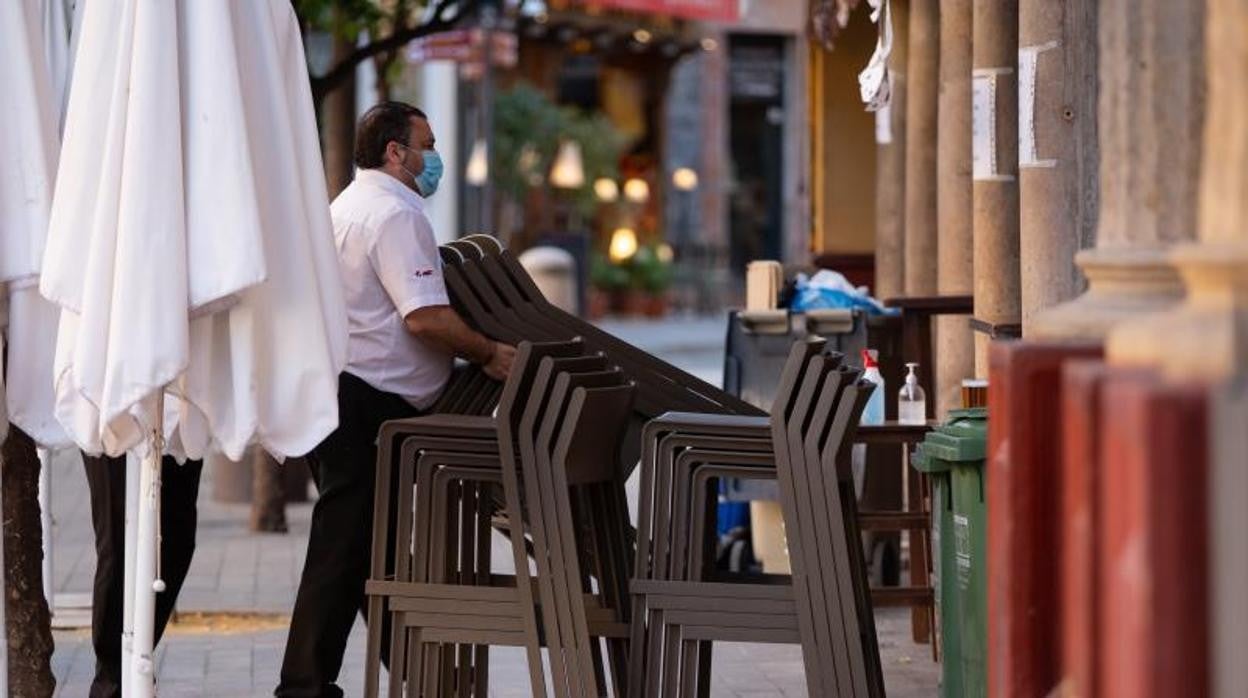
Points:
(403, 339)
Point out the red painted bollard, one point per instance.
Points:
(1024, 554)
(1082, 383)
(1154, 539)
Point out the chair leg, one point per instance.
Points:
(691, 656)
(654, 648)
(414, 677)
(703, 650)
(399, 666)
(481, 653)
(671, 660)
(468, 504)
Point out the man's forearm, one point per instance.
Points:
(442, 326)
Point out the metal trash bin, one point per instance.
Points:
(953, 457)
(756, 347)
(555, 273)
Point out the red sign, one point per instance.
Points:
(713, 10)
(464, 46)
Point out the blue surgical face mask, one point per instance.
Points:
(427, 181)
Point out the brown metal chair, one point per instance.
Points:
(393, 452)
(684, 613)
(661, 439)
(661, 386)
(578, 433)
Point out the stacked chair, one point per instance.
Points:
(681, 604)
(539, 459)
(554, 444)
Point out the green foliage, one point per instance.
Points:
(607, 276)
(601, 145)
(644, 271)
(648, 271)
(526, 120)
(523, 116)
(343, 18)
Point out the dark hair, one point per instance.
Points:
(385, 122)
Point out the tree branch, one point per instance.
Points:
(345, 68)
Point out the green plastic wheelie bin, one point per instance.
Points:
(953, 456)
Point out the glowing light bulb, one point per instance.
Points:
(623, 244)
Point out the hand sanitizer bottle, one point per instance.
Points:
(912, 402)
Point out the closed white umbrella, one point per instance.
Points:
(33, 68)
(190, 247)
(33, 59)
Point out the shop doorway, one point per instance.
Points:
(756, 148)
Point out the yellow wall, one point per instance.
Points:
(843, 143)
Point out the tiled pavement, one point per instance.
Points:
(246, 584)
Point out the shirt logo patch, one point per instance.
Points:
(423, 272)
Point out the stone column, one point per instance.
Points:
(890, 171)
(1057, 158)
(1203, 338)
(955, 346)
(994, 127)
(1150, 112)
(923, 75)
(1206, 337)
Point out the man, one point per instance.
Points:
(403, 338)
(106, 482)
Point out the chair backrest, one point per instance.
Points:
(787, 428)
(488, 244)
(559, 397)
(837, 449)
(589, 438)
(524, 368)
(468, 302)
(800, 354)
(532, 405)
(824, 410)
(467, 248)
(708, 397)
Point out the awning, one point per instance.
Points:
(707, 10)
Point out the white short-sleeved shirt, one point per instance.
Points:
(390, 267)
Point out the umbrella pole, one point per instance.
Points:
(45, 514)
(133, 469)
(146, 582)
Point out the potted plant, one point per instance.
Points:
(651, 274)
(608, 283)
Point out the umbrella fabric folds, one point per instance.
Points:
(190, 246)
(33, 60)
(190, 252)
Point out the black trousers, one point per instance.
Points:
(331, 590)
(106, 480)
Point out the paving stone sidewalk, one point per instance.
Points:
(233, 610)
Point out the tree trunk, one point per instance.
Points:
(28, 620)
(338, 126)
(268, 493)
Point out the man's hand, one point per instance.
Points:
(499, 365)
